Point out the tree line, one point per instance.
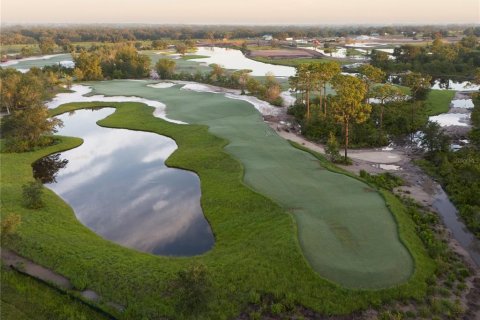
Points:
(439, 59)
(110, 62)
(118, 33)
(268, 89)
(362, 110)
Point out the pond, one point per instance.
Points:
(234, 59)
(23, 65)
(119, 186)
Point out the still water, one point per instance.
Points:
(459, 231)
(234, 59)
(119, 186)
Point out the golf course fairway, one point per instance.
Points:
(345, 229)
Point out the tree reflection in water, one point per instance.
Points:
(46, 169)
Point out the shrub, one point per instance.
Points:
(277, 308)
(191, 289)
(383, 180)
(32, 195)
(9, 225)
(332, 148)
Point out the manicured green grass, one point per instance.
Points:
(438, 101)
(17, 48)
(24, 298)
(256, 247)
(42, 62)
(334, 213)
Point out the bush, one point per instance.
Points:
(191, 289)
(32, 195)
(332, 148)
(383, 180)
(9, 225)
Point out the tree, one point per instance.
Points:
(217, 72)
(19, 91)
(325, 73)
(159, 44)
(371, 75)
(32, 195)
(26, 51)
(242, 77)
(28, 124)
(273, 89)
(379, 59)
(477, 76)
(87, 66)
(386, 93)
(332, 148)
(470, 42)
(9, 91)
(418, 83)
(46, 45)
(181, 48)
(253, 86)
(165, 68)
(419, 86)
(129, 64)
(28, 128)
(307, 80)
(348, 104)
(434, 139)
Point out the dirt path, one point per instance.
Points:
(58, 281)
(12, 259)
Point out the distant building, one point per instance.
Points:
(268, 37)
(301, 41)
(289, 39)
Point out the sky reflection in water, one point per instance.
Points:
(119, 187)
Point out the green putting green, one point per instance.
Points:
(345, 229)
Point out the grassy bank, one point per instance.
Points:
(256, 250)
(438, 101)
(24, 298)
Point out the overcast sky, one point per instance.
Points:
(241, 11)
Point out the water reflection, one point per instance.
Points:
(450, 217)
(234, 59)
(46, 169)
(119, 186)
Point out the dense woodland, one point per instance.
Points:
(438, 60)
(112, 33)
(348, 114)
